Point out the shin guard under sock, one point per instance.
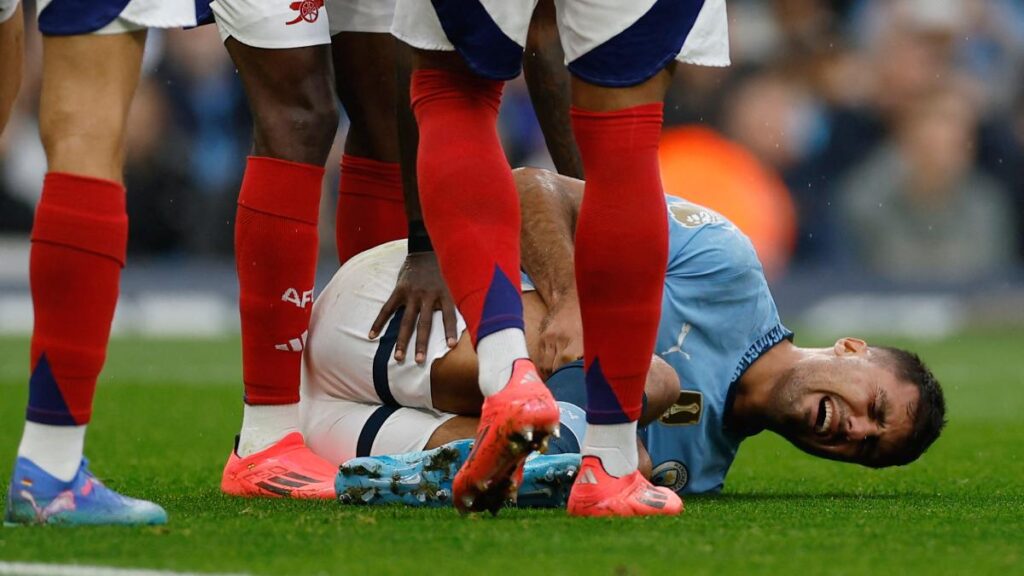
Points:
(78, 249)
(621, 253)
(468, 195)
(371, 209)
(276, 253)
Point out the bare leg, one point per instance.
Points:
(12, 48)
(603, 99)
(370, 209)
(620, 255)
(364, 65)
(79, 239)
(458, 428)
(548, 81)
(291, 96)
(88, 85)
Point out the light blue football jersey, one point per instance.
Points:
(717, 317)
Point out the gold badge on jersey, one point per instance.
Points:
(686, 411)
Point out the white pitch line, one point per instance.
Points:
(34, 569)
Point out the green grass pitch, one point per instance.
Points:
(166, 413)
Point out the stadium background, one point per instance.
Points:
(873, 149)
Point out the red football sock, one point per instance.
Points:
(371, 209)
(469, 199)
(276, 253)
(621, 253)
(78, 249)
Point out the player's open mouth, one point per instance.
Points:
(826, 412)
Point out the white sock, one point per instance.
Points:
(55, 449)
(263, 426)
(614, 444)
(495, 353)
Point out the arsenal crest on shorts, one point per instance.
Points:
(309, 10)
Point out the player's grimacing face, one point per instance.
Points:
(847, 405)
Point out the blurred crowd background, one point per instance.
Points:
(884, 137)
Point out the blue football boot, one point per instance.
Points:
(36, 497)
(547, 480)
(414, 479)
(425, 478)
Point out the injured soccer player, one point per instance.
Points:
(725, 369)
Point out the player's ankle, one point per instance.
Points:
(57, 450)
(614, 445)
(265, 425)
(497, 353)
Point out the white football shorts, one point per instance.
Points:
(68, 17)
(339, 430)
(361, 15)
(7, 8)
(606, 42)
(281, 24)
(357, 400)
(341, 362)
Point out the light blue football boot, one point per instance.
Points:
(414, 479)
(547, 480)
(424, 479)
(35, 497)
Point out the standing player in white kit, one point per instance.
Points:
(621, 55)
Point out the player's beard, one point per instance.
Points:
(786, 413)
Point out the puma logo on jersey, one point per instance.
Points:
(293, 345)
(309, 10)
(301, 300)
(678, 348)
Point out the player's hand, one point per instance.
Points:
(420, 290)
(561, 337)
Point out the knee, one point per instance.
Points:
(81, 143)
(317, 115)
(373, 136)
(662, 389)
(533, 182)
(528, 176)
(300, 129)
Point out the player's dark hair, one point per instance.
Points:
(930, 416)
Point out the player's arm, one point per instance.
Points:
(548, 81)
(12, 41)
(549, 204)
(420, 288)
